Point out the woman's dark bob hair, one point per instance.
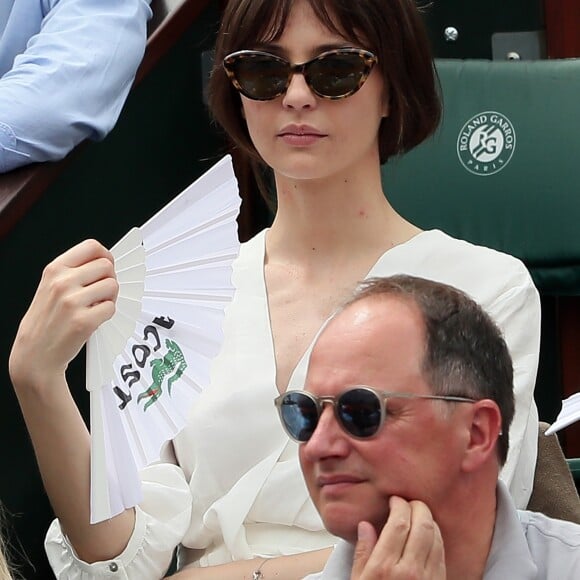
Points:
(392, 29)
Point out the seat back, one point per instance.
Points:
(554, 492)
(502, 171)
(574, 465)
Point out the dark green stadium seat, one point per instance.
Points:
(502, 171)
(574, 465)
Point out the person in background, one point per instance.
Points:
(403, 426)
(66, 67)
(317, 95)
(5, 569)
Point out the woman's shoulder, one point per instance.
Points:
(255, 243)
(484, 273)
(471, 256)
(252, 249)
(248, 267)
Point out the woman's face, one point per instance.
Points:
(302, 136)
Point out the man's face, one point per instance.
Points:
(378, 342)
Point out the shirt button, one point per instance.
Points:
(113, 567)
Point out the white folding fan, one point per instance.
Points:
(569, 413)
(147, 365)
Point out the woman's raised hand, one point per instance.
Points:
(76, 294)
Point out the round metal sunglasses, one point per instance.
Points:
(360, 410)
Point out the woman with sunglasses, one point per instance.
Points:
(316, 95)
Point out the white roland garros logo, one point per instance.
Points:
(486, 143)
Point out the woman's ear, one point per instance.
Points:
(386, 107)
(484, 431)
(386, 101)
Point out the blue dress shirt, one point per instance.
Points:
(66, 67)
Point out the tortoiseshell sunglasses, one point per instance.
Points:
(334, 74)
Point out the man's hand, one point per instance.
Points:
(409, 547)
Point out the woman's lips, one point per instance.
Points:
(300, 135)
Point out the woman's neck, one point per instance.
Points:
(334, 217)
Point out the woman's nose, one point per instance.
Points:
(299, 95)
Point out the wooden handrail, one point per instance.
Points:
(562, 28)
(21, 188)
(170, 21)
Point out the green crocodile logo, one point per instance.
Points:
(172, 365)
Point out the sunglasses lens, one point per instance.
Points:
(360, 412)
(299, 415)
(261, 77)
(336, 75)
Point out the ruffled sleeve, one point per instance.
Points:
(517, 313)
(161, 522)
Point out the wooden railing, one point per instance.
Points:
(563, 41)
(562, 28)
(21, 188)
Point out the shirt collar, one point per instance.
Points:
(339, 565)
(509, 549)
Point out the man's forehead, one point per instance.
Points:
(374, 314)
(367, 338)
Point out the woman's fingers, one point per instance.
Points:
(72, 285)
(82, 253)
(91, 272)
(76, 294)
(82, 265)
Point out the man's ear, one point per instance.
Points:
(484, 431)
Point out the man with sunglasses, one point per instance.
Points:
(403, 427)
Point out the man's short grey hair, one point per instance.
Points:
(465, 352)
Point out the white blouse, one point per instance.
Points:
(236, 491)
